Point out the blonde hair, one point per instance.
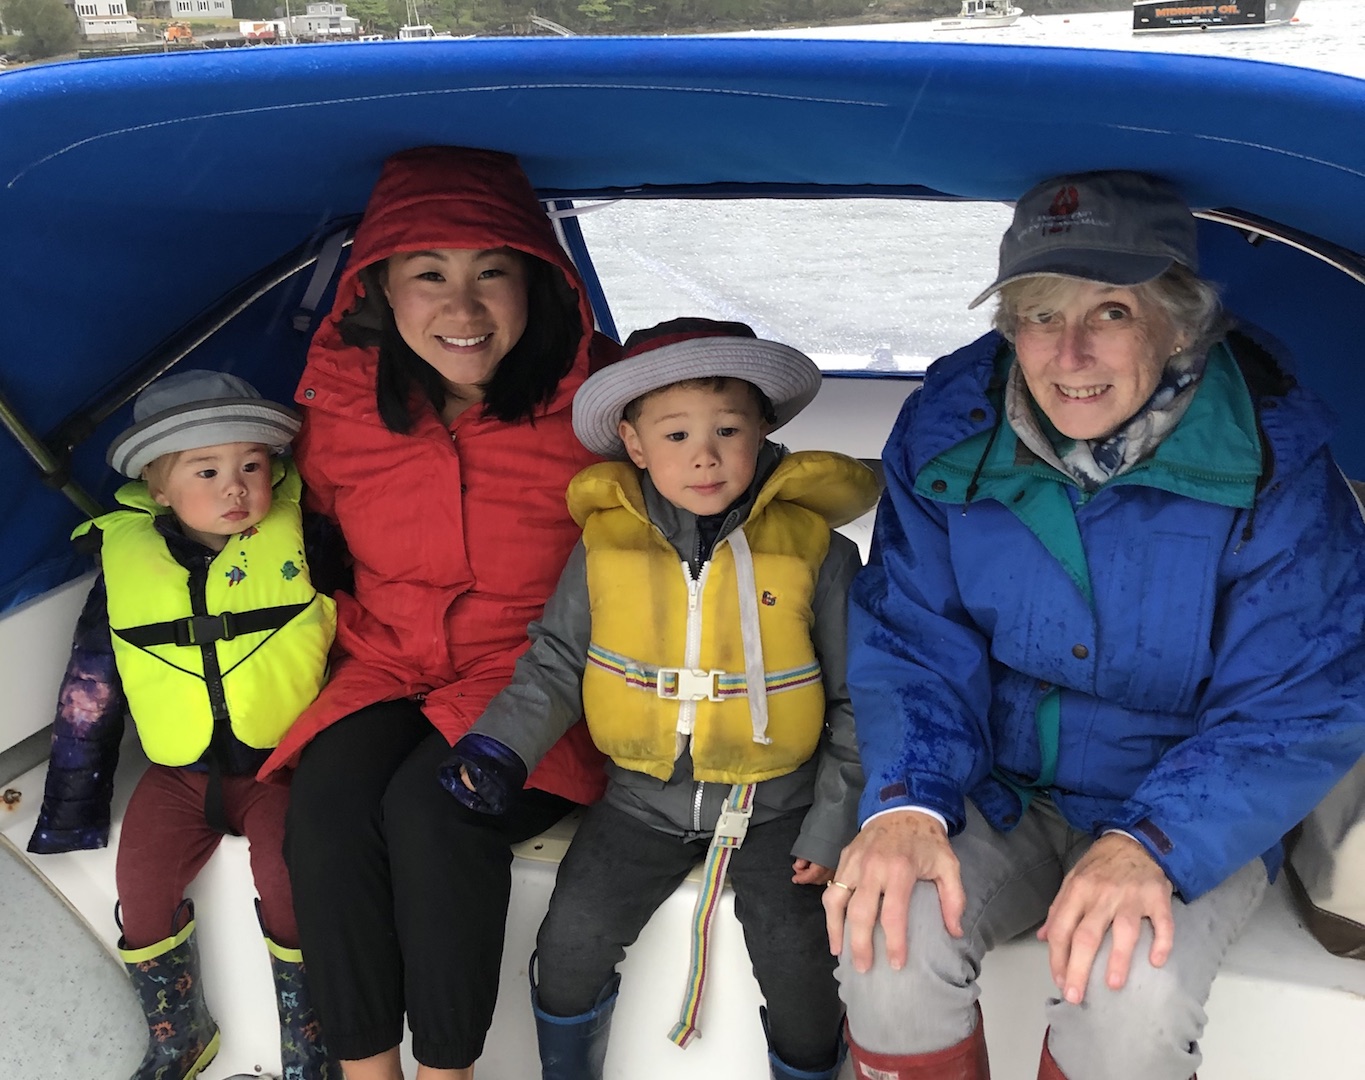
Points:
(158, 469)
(1190, 303)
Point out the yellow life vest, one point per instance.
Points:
(254, 651)
(668, 663)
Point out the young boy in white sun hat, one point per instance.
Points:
(699, 626)
(205, 627)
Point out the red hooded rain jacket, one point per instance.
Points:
(458, 535)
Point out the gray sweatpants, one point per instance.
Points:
(1148, 1030)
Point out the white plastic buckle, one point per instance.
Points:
(733, 824)
(694, 684)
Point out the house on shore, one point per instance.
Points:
(322, 22)
(105, 20)
(185, 10)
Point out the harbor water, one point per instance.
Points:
(883, 284)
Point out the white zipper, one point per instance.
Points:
(687, 710)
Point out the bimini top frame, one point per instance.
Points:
(139, 194)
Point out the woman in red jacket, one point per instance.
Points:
(437, 435)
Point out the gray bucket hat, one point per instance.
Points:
(191, 409)
(690, 348)
(1119, 228)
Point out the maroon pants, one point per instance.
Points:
(166, 842)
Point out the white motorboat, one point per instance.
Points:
(863, 148)
(981, 15)
(412, 30)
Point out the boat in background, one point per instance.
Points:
(412, 30)
(1151, 16)
(981, 15)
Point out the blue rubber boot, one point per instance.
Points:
(182, 1038)
(574, 1047)
(782, 1071)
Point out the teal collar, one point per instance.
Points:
(1213, 455)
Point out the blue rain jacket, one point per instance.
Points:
(1180, 655)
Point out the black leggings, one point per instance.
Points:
(401, 893)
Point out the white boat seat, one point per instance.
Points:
(1282, 1007)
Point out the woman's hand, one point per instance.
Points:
(805, 872)
(464, 778)
(875, 876)
(1111, 890)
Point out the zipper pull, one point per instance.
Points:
(693, 587)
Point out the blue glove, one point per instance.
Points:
(494, 768)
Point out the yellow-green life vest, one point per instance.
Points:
(256, 649)
(667, 664)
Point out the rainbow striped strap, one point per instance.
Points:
(729, 835)
(719, 685)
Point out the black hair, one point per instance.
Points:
(525, 379)
(716, 384)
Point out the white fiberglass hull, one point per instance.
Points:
(980, 22)
(913, 119)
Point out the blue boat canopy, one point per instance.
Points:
(136, 194)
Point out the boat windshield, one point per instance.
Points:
(836, 278)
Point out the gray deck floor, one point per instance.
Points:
(66, 1007)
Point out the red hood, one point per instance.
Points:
(437, 197)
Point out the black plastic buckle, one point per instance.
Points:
(201, 629)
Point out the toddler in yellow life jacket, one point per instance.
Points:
(205, 627)
(699, 627)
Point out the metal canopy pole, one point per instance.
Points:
(46, 460)
(1257, 229)
(51, 455)
(78, 426)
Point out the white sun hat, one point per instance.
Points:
(192, 409)
(690, 348)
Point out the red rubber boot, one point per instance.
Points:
(964, 1061)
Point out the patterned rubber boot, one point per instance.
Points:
(782, 1071)
(302, 1054)
(182, 1037)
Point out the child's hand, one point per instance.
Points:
(809, 873)
(464, 778)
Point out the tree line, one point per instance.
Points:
(663, 16)
(49, 27)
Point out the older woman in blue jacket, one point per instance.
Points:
(1108, 650)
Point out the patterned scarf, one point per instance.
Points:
(1092, 462)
